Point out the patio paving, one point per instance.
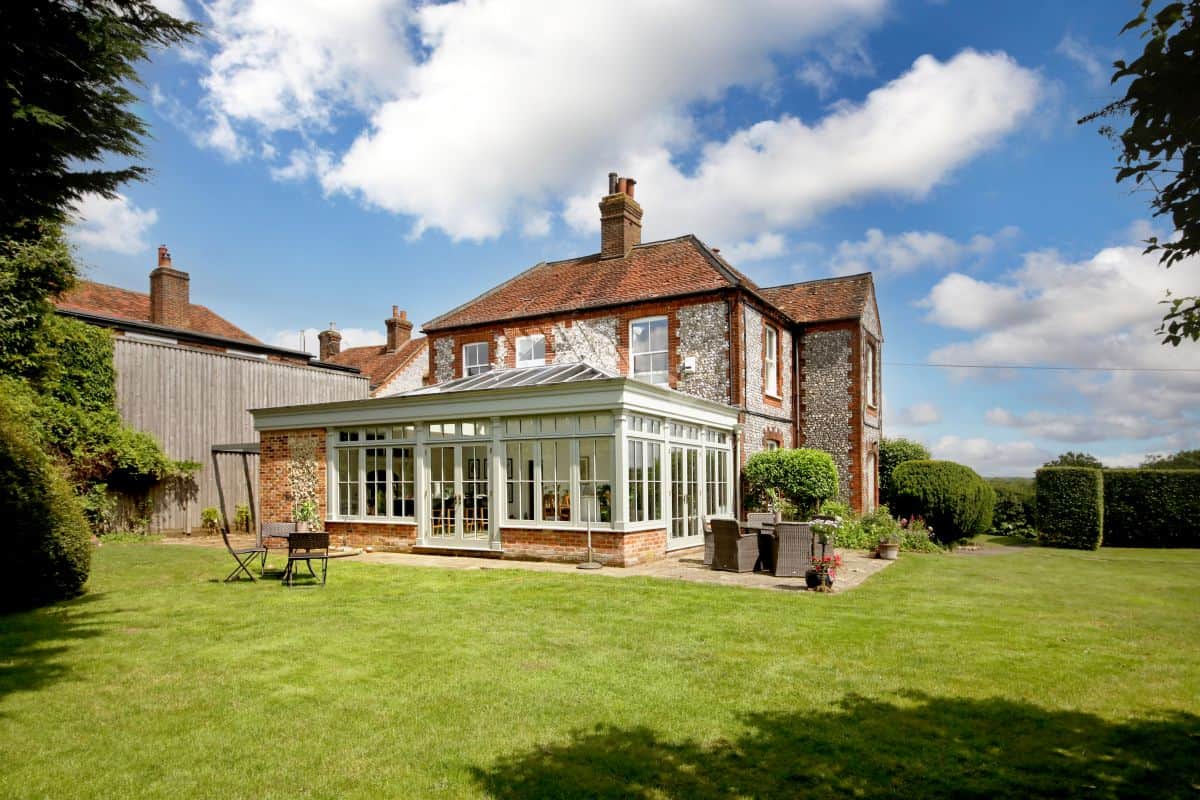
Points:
(857, 566)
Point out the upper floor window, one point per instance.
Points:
(475, 359)
(648, 349)
(870, 377)
(771, 362)
(531, 350)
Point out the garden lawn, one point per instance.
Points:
(1029, 673)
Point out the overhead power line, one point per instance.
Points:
(1044, 367)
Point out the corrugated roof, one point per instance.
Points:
(822, 300)
(89, 297)
(657, 269)
(522, 376)
(377, 363)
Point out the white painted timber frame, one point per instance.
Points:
(623, 398)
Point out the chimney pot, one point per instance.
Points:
(620, 219)
(399, 329)
(164, 256)
(330, 343)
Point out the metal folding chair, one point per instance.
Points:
(244, 556)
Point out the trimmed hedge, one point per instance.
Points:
(47, 543)
(1016, 507)
(954, 501)
(893, 453)
(801, 476)
(1070, 507)
(1152, 507)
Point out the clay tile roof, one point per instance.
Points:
(377, 363)
(657, 269)
(826, 299)
(111, 301)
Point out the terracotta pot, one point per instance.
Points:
(303, 527)
(889, 551)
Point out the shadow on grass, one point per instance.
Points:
(920, 746)
(32, 643)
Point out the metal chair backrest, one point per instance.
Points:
(312, 542)
(225, 538)
(269, 529)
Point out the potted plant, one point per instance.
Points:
(210, 519)
(824, 568)
(305, 515)
(889, 547)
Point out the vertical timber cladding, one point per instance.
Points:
(191, 399)
(825, 392)
(764, 417)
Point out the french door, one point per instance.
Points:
(685, 529)
(457, 513)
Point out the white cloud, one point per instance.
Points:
(920, 414)
(117, 224)
(213, 131)
(176, 8)
(302, 164)
(1085, 56)
(518, 103)
(294, 64)
(1100, 312)
(767, 245)
(905, 252)
(988, 457)
(306, 338)
(904, 139)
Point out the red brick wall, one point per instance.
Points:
(276, 499)
(398, 536)
(609, 548)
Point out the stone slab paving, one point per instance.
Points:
(857, 566)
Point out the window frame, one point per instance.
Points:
(872, 373)
(478, 368)
(633, 356)
(771, 362)
(533, 362)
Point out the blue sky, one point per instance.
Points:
(321, 162)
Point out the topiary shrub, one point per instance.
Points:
(1152, 507)
(893, 453)
(803, 477)
(48, 549)
(952, 499)
(1070, 507)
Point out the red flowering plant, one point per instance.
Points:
(827, 565)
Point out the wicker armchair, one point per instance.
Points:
(733, 550)
(793, 549)
(757, 519)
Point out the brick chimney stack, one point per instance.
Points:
(169, 301)
(331, 342)
(620, 218)
(399, 329)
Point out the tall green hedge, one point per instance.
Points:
(1152, 507)
(955, 502)
(1070, 507)
(893, 453)
(803, 476)
(47, 543)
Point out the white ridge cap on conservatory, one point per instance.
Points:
(499, 378)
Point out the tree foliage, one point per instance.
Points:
(1184, 459)
(66, 90)
(952, 498)
(31, 272)
(1073, 459)
(893, 453)
(804, 477)
(1161, 147)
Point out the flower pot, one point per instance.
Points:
(815, 580)
(303, 527)
(889, 551)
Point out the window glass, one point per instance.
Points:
(376, 481)
(348, 482)
(772, 444)
(403, 483)
(645, 474)
(347, 436)
(403, 432)
(519, 473)
(595, 480)
(531, 350)
(375, 434)
(870, 379)
(716, 476)
(771, 362)
(556, 480)
(475, 358)
(648, 349)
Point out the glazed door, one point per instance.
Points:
(458, 511)
(685, 529)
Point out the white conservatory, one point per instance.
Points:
(518, 463)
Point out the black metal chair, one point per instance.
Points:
(275, 530)
(733, 550)
(307, 547)
(244, 556)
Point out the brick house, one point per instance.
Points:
(666, 369)
(187, 375)
(399, 365)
